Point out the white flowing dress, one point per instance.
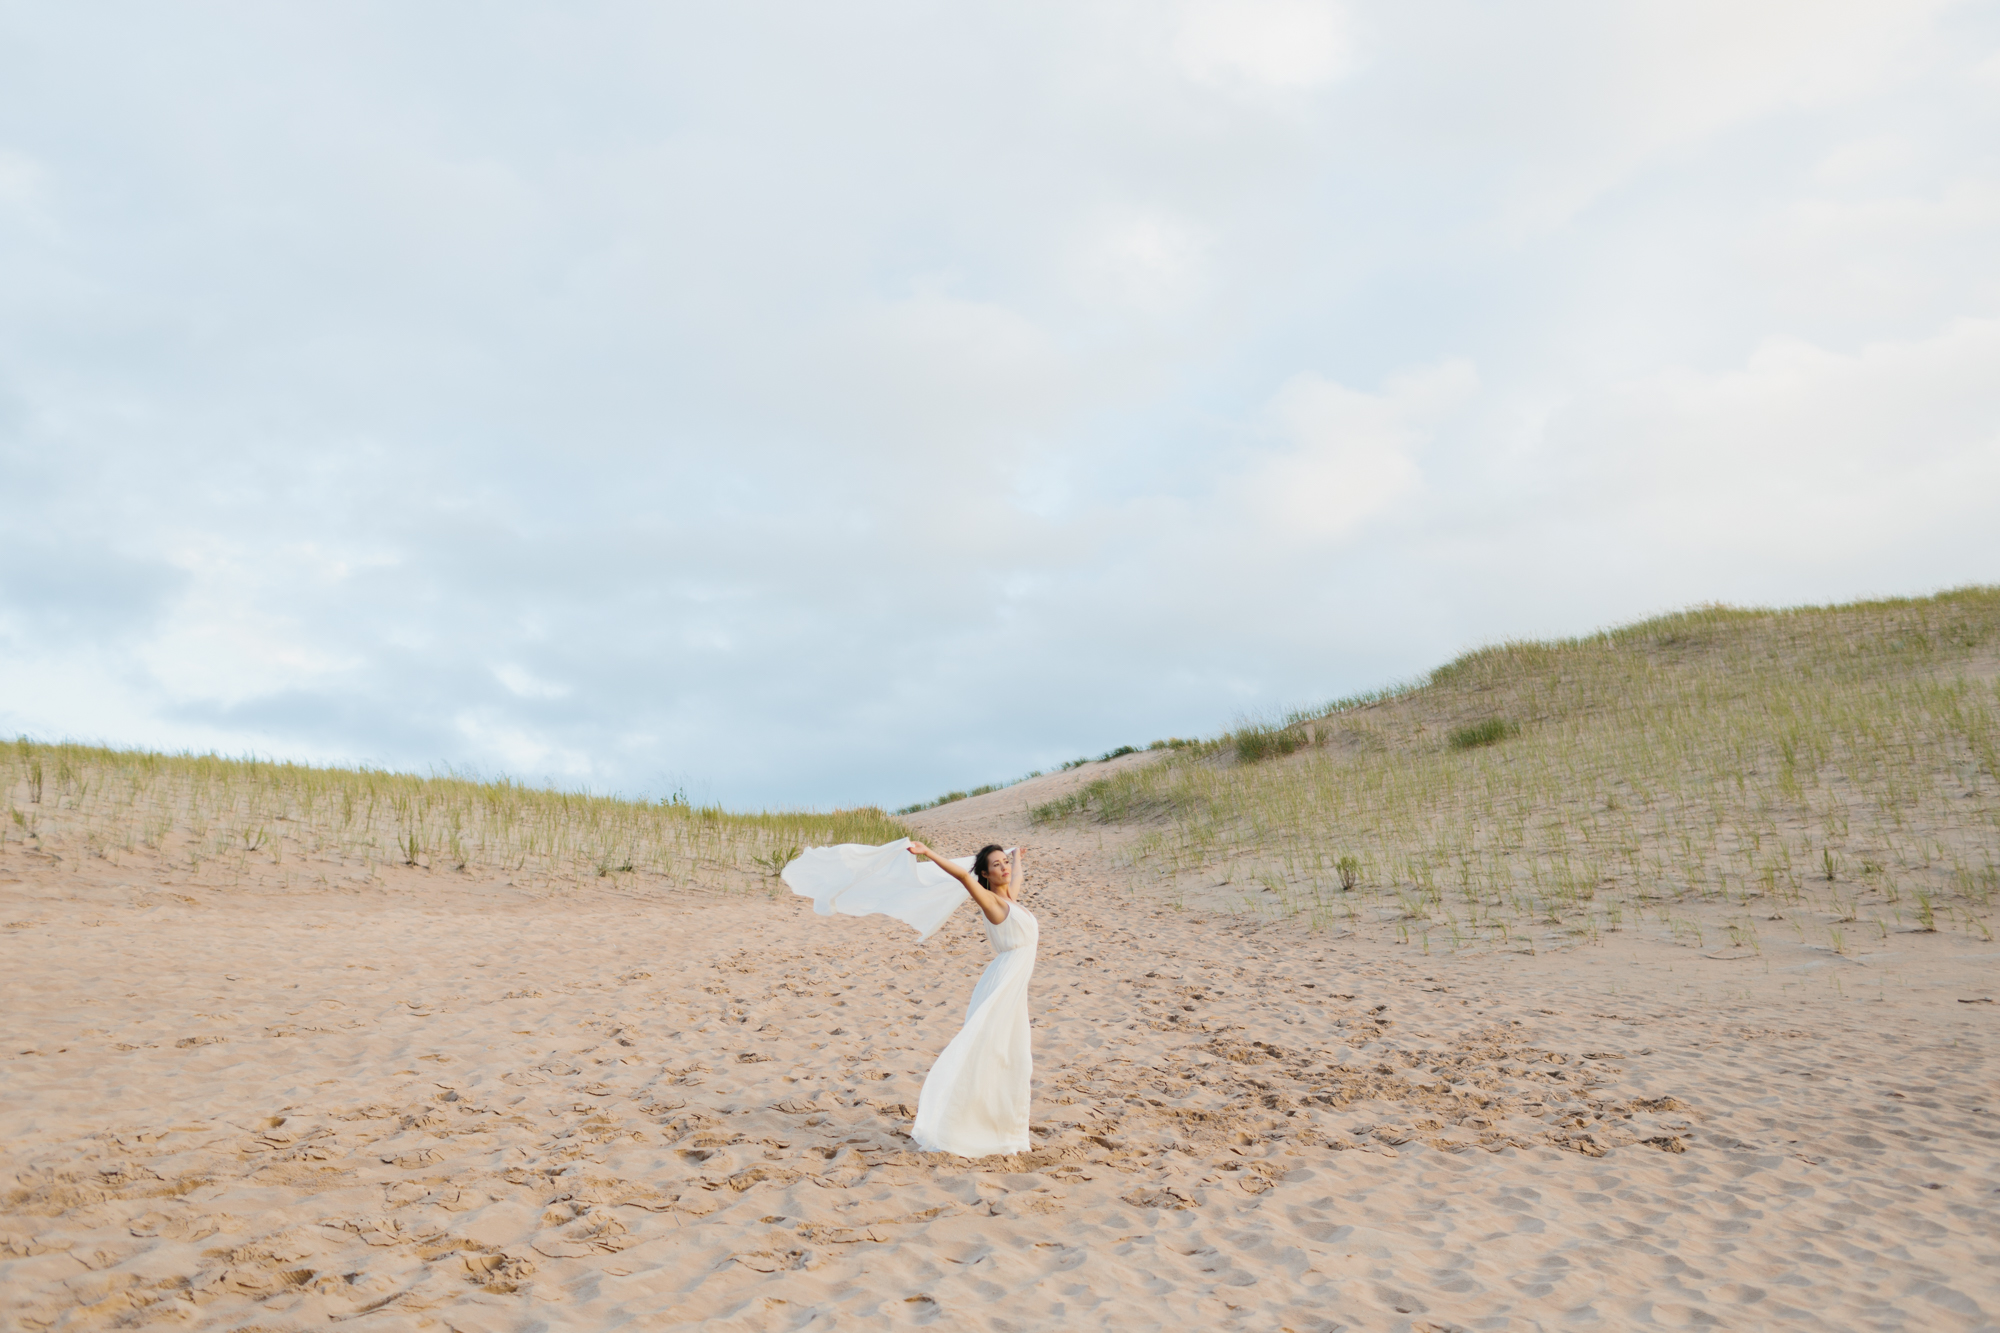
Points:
(975, 1099)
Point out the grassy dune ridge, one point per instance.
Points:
(227, 813)
(1835, 769)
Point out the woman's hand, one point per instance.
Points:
(989, 902)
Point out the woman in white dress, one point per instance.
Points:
(975, 1099)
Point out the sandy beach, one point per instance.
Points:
(422, 1099)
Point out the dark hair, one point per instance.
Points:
(979, 862)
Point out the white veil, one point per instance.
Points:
(857, 880)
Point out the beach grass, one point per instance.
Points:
(205, 810)
(1711, 774)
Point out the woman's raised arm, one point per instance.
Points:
(989, 902)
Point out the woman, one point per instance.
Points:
(975, 1099)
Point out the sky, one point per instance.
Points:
(810, 406)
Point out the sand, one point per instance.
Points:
(431, 1101)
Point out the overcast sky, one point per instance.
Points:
(828, 404)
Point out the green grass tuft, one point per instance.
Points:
(951, 796)
(1255, 741)
(1490, 731)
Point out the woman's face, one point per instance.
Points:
(998, 869)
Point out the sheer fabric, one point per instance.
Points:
(857, 880)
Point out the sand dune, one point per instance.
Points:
(430, 1101)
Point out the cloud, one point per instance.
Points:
(1801, 446)
(1278, 44)
(1152, 264)
(1606, 92)
(1347, 456)
(818, 407)
(526, 684)
(933, 369)
(24, 194)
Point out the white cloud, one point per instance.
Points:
(525, 684)
(1152, 264)
(1280, 44)
(1900, 254)
(1698, 66)
(1642, 82)
(236, 632)
(1346, 456)
(23, 183)
(1859, 161)
(1799, 448)
(519, 751)
(935, 369)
